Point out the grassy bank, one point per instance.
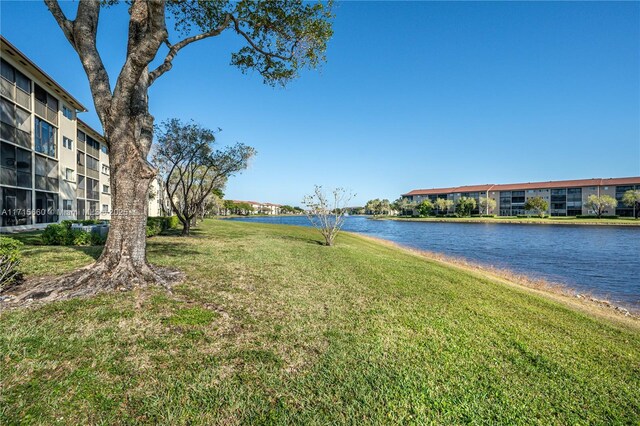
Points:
(553, 220)
(271, 327)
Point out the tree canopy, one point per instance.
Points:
(191, 169)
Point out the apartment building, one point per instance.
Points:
(53, 166)
(565, 198)
(259, 208)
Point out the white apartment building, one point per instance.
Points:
(53, 165)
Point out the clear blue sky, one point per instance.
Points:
(413, 95)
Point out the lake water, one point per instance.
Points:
(602, 260)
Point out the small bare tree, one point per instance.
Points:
(326, 212)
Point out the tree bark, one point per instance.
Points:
(186, 228)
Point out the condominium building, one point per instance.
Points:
(258, 207)
(53, 166)
(565, 197)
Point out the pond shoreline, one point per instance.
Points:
(532, 221)
(593, 262)
(556, 291)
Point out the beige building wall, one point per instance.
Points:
(67, 166)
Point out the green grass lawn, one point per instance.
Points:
(272, 328)
(552, 220)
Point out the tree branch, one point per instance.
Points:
(175, 48)
(236, 25)
(81, 33)
(147, 31)
(65, 24)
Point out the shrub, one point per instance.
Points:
(155, 225)
(67, 223)
(56, 234)
(62, 235)
(78, 237)
(10, 256)
(97, 239)
(173, 222)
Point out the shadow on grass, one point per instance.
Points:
(92, 251)
(31, 238)
(195, 232)
(302, 239)
(173, 249)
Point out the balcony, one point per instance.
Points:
(15, 135)
(19, 96)
(47, 113)
(46, 183)
(94, 174)
(95, 153)
(93, 195)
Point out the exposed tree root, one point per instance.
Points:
(86, 282)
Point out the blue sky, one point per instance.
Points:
(413, 95)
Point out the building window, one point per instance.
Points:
(92, 163)
(68, 175)
(67, 143)
(16, 206)
(67, 112)
(92, 189)
(104, 149)
(46, 136)
(105, 208)
(105, 189)
(105, 169)
(93, 209)
(80, 157)
(93, 146)
(67, 205)
(80, 188)
(15, 166)
(16, 124)
(46, 174)
(21, 82)
(45, 98)
(46, 208)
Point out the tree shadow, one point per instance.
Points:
(195, 232)
(173, 249)
(303, 239)
(92, 251)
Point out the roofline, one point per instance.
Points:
(496, 187)
(39, 72)
(91, 129)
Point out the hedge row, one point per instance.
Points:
(155, 225)
(62, 235)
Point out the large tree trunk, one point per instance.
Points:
(124, 254)
(122, 264)
(186, 228)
